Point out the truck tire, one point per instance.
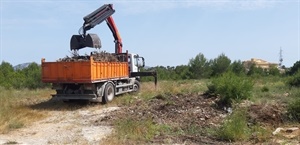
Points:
(109, 93)
(136, 86)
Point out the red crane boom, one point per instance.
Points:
(104, 13)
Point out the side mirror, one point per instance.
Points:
(143, 61)
(139, 61)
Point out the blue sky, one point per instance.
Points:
(167, 32)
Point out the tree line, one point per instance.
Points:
(28, 77)
(198, 67)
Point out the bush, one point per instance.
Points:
(237, 67)
(133, 129)
(265, 89)
(235, 127)
(295, 68)
(293, 110)
(294, 80)
(231, 88)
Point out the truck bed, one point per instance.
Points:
(83, 71)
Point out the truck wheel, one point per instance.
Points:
(136, 86)
(109, 93)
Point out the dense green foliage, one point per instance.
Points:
(220, 65)
(231, 88)
(256, 71)
(294, 81)
(294, 110)
(295, 68)
(237, 67)
(28, 77)
(200, 67)
(235, 128)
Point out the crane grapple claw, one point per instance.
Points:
(90, 40)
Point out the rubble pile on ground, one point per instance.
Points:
(267, 114)
(97, 56)
(182, 112)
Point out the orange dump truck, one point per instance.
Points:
(94, 80)
(91, 79)
(83, 71)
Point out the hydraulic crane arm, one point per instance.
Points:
(113, 28)
(90, 21)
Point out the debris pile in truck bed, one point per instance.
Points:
(97, 56)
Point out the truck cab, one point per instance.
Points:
(135, 62)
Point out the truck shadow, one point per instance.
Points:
(55, 105)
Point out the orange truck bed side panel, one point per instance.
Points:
(83, 72)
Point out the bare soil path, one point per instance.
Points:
(77, 126)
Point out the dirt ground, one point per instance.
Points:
(188, 115)
(75, 126)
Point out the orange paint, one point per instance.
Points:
(83, 72)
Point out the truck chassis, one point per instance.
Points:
(103, 91)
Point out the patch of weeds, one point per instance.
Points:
(293, 110)
(11, 142)
(194, 129)
(294, 81)
(124, 99)
(235, 127)
(265, 89)
(177, 131)
(133, 129)
(260, 134)
(15, 124)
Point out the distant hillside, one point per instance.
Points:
(22, 66)
(147, 67)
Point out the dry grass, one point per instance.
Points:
(269, 90)
(148, 90)
(130, 131)
(15, 110)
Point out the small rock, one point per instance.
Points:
(291, 129)
(292, 132)
(277, 130)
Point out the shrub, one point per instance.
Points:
(294, 80)
(293, 110)
(231, 88)
(235, 127)
(295, 68)
(133, 129)
(237, 67)
(265, 89)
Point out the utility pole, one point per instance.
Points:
(280, 58)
